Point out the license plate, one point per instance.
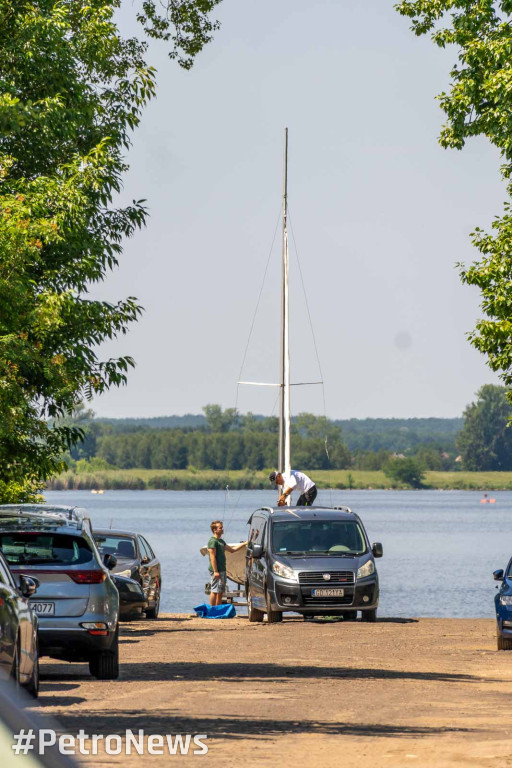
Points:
(328, 592)
(43, 609)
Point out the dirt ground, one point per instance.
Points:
(401, 692)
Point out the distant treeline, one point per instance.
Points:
(223, 440)
(393, 435)
(226, 440)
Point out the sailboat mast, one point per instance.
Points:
(284, 400)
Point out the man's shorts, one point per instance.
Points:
(219, 585)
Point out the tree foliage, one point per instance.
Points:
(479, 103)
(186, 23)
(71, 92)
(405, 471)
(485, 441)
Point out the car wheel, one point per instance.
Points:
(32, 687)
(272, 616)
(370, 616)
(253, 613)
(152, 613)
(104, 665)
(349, 616)
(504, 643)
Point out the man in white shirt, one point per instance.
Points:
(295, 481)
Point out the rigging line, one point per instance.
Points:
(305, 297)
(257, 305)
(226, 497)
(235, 507)
(312, 330)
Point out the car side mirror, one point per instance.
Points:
(110, 561)
(256, 551)
(498, 575)
(28, 585)
(377, 549)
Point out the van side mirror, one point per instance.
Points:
(256, 551)
(377, 549)
(110, 561)
(28, 586)
(498, 575)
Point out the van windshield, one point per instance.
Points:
(330, 537)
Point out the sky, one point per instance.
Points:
(380, 215)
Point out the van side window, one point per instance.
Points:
(257, 530)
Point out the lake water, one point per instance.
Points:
(440, 547)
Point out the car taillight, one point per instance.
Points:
(86, 577)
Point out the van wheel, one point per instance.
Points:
(370, 616)
(104, 665)
(272, 616)
(254, 613)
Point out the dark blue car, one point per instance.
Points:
(503, 603)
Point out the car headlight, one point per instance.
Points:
(366, 570)
(124, 573)
(284, 571)
(506, 599)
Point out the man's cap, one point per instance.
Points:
(272, 477)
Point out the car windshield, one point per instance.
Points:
(330, 537)
(120, 546)
(43, 548)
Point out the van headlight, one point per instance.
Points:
(284, 571)
(506, 599)
(366, 570)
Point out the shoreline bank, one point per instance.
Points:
(212, 480)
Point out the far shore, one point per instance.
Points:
(209, 480)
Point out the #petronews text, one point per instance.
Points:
(139, 744)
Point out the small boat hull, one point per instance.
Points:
(235, 563)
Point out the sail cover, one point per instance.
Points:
(235, 563)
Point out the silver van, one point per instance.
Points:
(77, 603)
(310, 560)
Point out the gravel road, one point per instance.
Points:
(401, 692)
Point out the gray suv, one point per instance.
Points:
(310, 560)
(77, 603)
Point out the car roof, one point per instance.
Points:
(38, 508)
(53, 525)
(309, 513)
(114, 532)
(63, 515)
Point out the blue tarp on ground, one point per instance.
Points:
(206, 611)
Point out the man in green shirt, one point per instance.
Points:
(217, 554)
